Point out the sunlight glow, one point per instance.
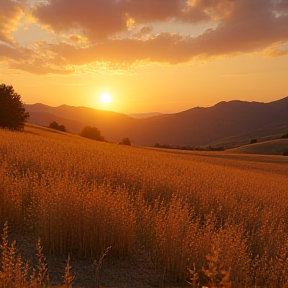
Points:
(105, 98)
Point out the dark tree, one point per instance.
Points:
(92, 133)
(253, 141)
(56, 126)
(126, 141)
(285, 136)
(12, 112)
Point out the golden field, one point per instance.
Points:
(223, 216)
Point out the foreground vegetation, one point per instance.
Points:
(216, 221)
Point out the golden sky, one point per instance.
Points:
(150, 55)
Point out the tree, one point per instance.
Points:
(285, 136)
(12, 112)
(253, 141)
(56, 126)
(92, 133)
(126, 141)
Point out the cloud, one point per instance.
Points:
(121, 33)
(39, 68)
(282, 7)
(144, 31)
(100, 19)
(8, 51)
(77, 38)
(10, 13)
(97, 19)
(250, 27)
(277, 50)
(239, 32)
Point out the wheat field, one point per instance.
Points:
(207, 217)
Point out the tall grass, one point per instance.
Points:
(187, 211)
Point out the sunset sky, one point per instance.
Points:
(149, 55)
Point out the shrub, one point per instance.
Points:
(253, 141)
(92, 133)
(285, 136)
(125, 141)
(56, 126)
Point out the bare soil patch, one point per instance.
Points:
(136, 271)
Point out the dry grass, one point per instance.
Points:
(224, 218)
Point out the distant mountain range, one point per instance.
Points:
(194, 127)
(144, 115)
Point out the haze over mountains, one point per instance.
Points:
(194, 127)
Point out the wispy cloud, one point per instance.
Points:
(239, 74)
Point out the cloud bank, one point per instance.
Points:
(121, 32)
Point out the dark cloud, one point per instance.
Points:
(282, 6)
(100, 19)
(97, 18)
(251, 26)
(239, 32)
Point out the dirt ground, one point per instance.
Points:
(136, 272)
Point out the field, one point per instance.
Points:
(222, 216)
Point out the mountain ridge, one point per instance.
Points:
(193, 127)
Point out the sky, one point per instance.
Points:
(149, 55)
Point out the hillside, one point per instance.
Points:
(273, 147)
(267, 133)
(112, 125)
(194, 127)
(144, 115)
(157, 210)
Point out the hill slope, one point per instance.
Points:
(194, 127)
(273, 147)
(112, 125)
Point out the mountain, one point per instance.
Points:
(194, 127)
(144, 115)
(111, 124)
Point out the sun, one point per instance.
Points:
(105, 98)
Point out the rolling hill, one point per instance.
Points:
(194, 127)
(272, 147)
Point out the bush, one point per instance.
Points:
(92, 133)
(253, 141)
(125, 141)
(285, 152)
(12, 112)
(56, 126)
(285, 136)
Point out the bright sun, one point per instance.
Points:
(105, 98)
